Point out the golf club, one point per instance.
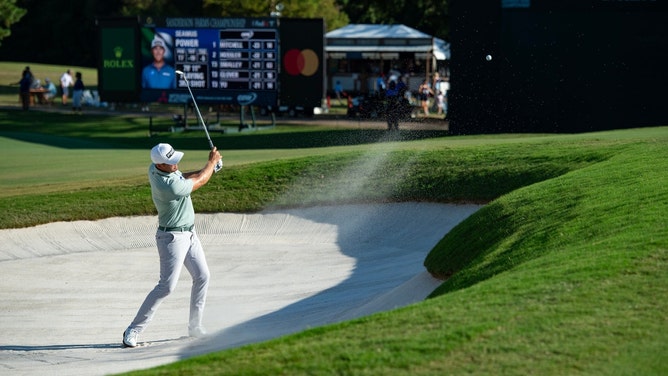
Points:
(219, 165)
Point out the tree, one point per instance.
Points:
(325, 9)
(428, 16)
(57, 32)
(69, 32)
(9, 14)
(192, 8)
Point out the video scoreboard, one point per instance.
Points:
(235, 59)
(225, 60)
(246, 59)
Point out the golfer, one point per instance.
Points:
(177, 241)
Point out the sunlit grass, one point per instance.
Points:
(563, 272)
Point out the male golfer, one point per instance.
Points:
(178, 244)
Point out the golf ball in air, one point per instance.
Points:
(488, 57)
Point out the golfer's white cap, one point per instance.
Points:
(157, 42)
(165, 153)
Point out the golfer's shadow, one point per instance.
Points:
(88, 346)
(83, 346)
(385, 257)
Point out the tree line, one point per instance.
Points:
(64, 32)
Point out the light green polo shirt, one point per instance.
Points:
(171, 196)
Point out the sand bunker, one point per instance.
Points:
(69, 289)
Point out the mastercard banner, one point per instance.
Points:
(302, 62)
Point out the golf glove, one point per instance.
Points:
(218, 166)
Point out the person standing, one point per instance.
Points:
(424, 91)
(177, 242)
(26, 71)
(381, 85)
(441, 87)
(392, 106)
(65, 83)
(24, 90)
(338, 90)
(77, 93)
(440, 102)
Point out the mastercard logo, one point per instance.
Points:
(304, 62)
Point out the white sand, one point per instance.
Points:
(69, 289)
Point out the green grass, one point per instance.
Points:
(10, 74)
(563, 272)
(101, 162)
(563, 276)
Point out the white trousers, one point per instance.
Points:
(177, 249)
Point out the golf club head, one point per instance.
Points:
(180, 73)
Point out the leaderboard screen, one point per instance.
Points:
(239, 61)
(246, 60)
(232, 61)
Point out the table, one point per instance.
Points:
(38, 96)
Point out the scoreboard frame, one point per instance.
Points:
(226, 60)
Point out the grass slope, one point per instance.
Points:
(437, 175)
(564, 272)
(100, 162)
(564, 276)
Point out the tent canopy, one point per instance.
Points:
(367, 38)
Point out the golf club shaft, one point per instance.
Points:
(199, 114)
(219, 164)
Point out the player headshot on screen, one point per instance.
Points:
(158, 74)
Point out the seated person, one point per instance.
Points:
(51, 90)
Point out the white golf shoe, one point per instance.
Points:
(130, 337)
(197, 332)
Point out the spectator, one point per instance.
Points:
(440, 102)
(77, 94)
(27, 71)
(338, 89)
(392, 106)
(402, 87)
(65, 83)
(441, 84)
(436, 81)
(51, 90)
(24, 89)
(380, 84)
(424, 91)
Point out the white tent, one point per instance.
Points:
(441, 49)
(380, 41)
